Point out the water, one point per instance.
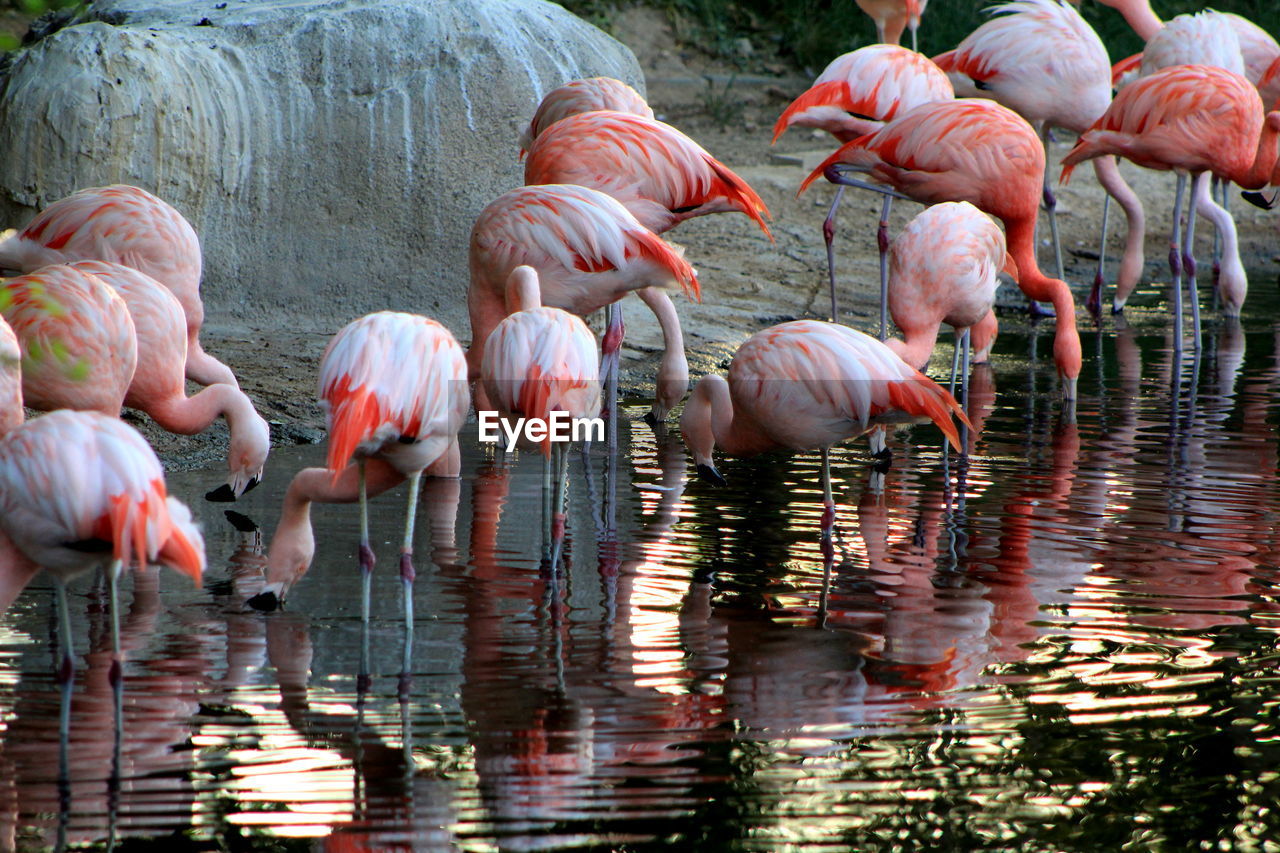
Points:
(1067, 643)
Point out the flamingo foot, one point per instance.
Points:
(1036, 311)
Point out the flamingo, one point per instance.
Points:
(130, 226)
(589, 251)
(860, 90)
(1190, 119)
(583, 96)
(158, 388)
(80, 490)
(394, 389)
(854, 95)
(944, 268)
(662, 176)
(1043, 61)
(1208, 38)
(808, 384)
(79, 347)
(981, 152)
(540, 360)
(893, 16)
(1258, 49)
(11, 413)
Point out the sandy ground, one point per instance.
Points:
(748, 282)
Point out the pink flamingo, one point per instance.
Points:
(855, 95)
(589, 251)
(80, 490)
(540, 360)
(944, 268)
(583, 96)
(662, 176)
(893, 16)
(860, 90)
(981, 152)
(10, 379)
(158, 387)
(79, 346)
(130, 226)
(1258, 49)
(1043, 61)
(1208, 38)
(394, 389)
(1191, 119)
(808, 384)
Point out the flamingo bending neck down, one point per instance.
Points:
(805, 385)
(158, 387)
(976, 151)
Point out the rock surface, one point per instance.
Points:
(329, 152)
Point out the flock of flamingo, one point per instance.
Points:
(103, 310)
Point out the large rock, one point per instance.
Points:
(332, 154)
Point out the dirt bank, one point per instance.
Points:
(748, 282)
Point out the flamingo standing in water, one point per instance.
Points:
(1043, 61)
(894, 16)
(944, 268)
(807, 384)
(583, 96)
(589, 251)
(394, 388)
(981, 152)
(129, 226)
(855, 95)
(158, 387)
(541, 360)
(1191, 119)
(80, 490)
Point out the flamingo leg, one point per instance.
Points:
(1051, 206)
(407, 573)
(113, 581)
(1189, 259)
(1217, 188)
(964, 395)
(66, 664)
(828, 237)
(882, 242)
(828, 500)
(1094, 302)
(366, 558)
(955, 364)
(1175, 261)
(558, 516)
(914, 48)
(611, 353)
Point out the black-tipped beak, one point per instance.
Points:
(250, 486)
(240, 521)
(1257, 199)
(711, 475)
(651, 419)
(220, 495)
(265, 601)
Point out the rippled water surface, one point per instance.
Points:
(1067, 641)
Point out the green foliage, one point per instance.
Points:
(34, 9)
(813, 32)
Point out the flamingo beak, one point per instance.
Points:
(711, 475)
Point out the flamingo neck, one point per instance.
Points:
(1067, 355)
(916, 348)
(1139, 15)
(293, 532)
(709, 419)
(1264, 161)
(523, 290)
